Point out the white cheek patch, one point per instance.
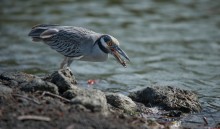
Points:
(115, 40)
(104, 43)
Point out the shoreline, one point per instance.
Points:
(55, 101)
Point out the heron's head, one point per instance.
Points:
(109, 44)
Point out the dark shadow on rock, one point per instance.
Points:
(63, 79)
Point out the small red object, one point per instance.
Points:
(91, 82)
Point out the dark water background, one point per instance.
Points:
(170, 42)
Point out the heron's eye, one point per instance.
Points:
(109, 43)
(107, 38)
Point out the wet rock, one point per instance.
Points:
(173, 113)
(168, 98)
(27, 82)
(93, 100)
(39, 85)
(122, 102)
(64, 80)
(147, 110)
(13, 79)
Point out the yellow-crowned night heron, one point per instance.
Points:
(77, 43)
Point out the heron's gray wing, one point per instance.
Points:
(67, 40)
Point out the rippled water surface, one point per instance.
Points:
(170, 42)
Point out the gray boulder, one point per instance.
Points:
(168, 98)
(122, 102)
(13, 79)
(26, 82)
(92, 99)
(39, 85)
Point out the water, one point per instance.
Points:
(170, 42)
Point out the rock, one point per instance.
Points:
(122, 102)
(152, 124)
(39, 85)
(13, 79)
(64, 80)
(217, 126)
(5, 93)
(4, 90)
(27, 82)
(168, 98)
(92, 99)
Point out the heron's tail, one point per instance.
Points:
(42, 31)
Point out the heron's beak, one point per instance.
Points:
(116, 52)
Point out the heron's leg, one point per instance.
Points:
(62, 65)
(69, 61)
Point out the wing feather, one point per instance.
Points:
(64, 39)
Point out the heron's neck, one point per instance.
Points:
(101, 46)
